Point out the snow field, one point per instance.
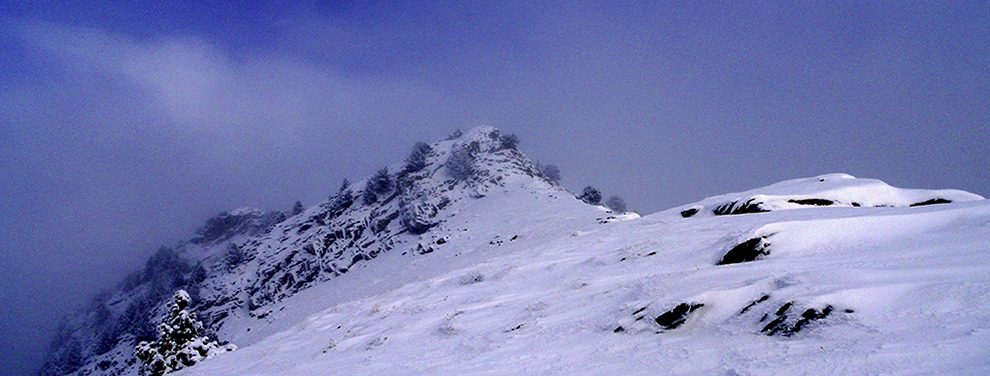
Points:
(916, 281)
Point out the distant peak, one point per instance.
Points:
(241, 221)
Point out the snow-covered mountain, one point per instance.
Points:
(466, 260)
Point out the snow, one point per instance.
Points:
(515, 275)
(531, 281)
(831, 190)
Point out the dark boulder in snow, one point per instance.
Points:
(688, 213)
(747, 251)
(677, 316)
(754, 303)
(783, 325)
(934, 201)
(738, 207)
(813, 202)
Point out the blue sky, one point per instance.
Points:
(128, 123)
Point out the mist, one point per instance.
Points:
(126, 125)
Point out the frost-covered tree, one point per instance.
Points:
(379, 183)
(460, 164)
(591, 195)
(417, 158)
(508, 141)
(616, 203)
(344, 193)
(180, 343)
(551, 173)
(234, 256)
(297, 208)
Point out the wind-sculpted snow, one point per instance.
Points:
(832, 190)
(867, 290)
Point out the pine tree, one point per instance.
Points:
(616, 203)
(180, 343)
(417, 158)
(508, 141)
(344, 194)
(591, 195)
(550, 172)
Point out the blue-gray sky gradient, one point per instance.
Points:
(125, 124)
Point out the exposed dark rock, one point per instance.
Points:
(689, 212)
(810, 315)
(781, 326)
(747, 251)
(934, 201)
(783, 309)
(735, 207)
(775, 326)
(677, 316)
(754, 303)
(813, 201)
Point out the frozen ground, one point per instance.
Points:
(529, 282)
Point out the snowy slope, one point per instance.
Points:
(841, 190)
(253, 274)
(883, 288)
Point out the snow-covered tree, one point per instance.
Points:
(379, 183)
(417, 158)
(344, 194)
(616, 203)
(508, 141)
(591, 195)
(180, 343)
(550, 172)
(297, 208)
